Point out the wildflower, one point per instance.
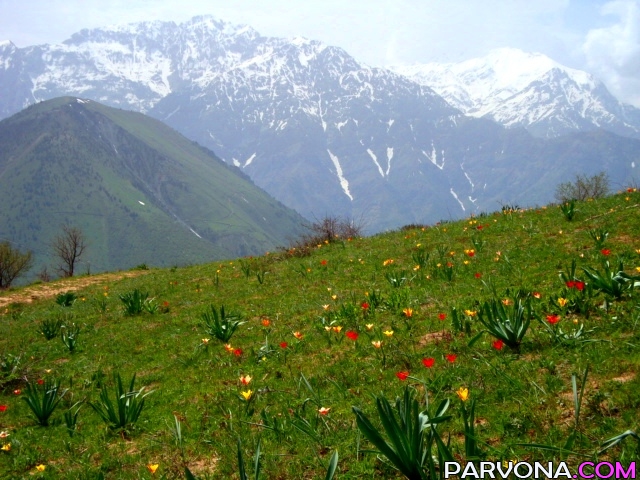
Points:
(298, 335)
(463, 394)
(429, 362)
(402, 375)
(326, 306)
(466, 262)
(498, 344)
(323, 262)
(324, 410)
(452, 253)
(245, 379)
(41, 467)
(3, 408)
(205, 341)
(47, 370)
(537, 295)
(506, 302)
(237, 352)
(553, 319)
(442, 316)
(470, 253)
(266, 322)
(451, 357)
(352, 335)
(605, 251)
(337, 328)
(369, 326)
(449, 265)
(6, 447)
(228, 347)
(416, 268)
(334, 297)
(152, 467)
(388, 333)
(470, 313)
(377, 343)
(4, 434)
(365, 306)
(247, 395)
(477, 275)
(284, 344)
(327, 328)
(562, 301)
(389, 261)
(40, 381)
(17, 391)
(408, 312)
(570, 284)
(580, 286)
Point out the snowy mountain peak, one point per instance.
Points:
(516, 88)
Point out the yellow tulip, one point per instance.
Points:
(463, 394)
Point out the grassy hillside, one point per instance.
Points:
(309, 344)
(139, 191)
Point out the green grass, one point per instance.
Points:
(199, 407)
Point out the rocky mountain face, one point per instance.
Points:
(321, 132)
(519, 89)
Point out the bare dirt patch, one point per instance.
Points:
(49, 290)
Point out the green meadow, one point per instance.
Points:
(509, 336)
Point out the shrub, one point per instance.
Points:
(327, 230)
(13, 263)
(583, 188)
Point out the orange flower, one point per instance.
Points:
(266, 322)
(389, 261)
(245, 379)
(337, 328)
(408, 312)
(41, 467)
(152, 467)
(298, 335)
(377, 343)
(324, 410)
(228, 347)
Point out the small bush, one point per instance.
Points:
(327, 230)
(583, 188)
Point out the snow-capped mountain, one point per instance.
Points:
(307, 122)
(530, 90)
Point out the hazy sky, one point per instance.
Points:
(602, 37)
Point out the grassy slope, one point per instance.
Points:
(521, 397)
(63, 167)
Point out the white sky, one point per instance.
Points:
(599, 36)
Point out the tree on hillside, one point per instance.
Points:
(12, 264)
(68, 247)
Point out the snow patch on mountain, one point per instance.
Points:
(343, 181)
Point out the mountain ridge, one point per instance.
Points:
(321, 132)
(141, 192)
(515, 88)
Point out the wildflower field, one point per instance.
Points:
(510, 336)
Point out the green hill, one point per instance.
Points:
(139, 191)
(328, 329)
